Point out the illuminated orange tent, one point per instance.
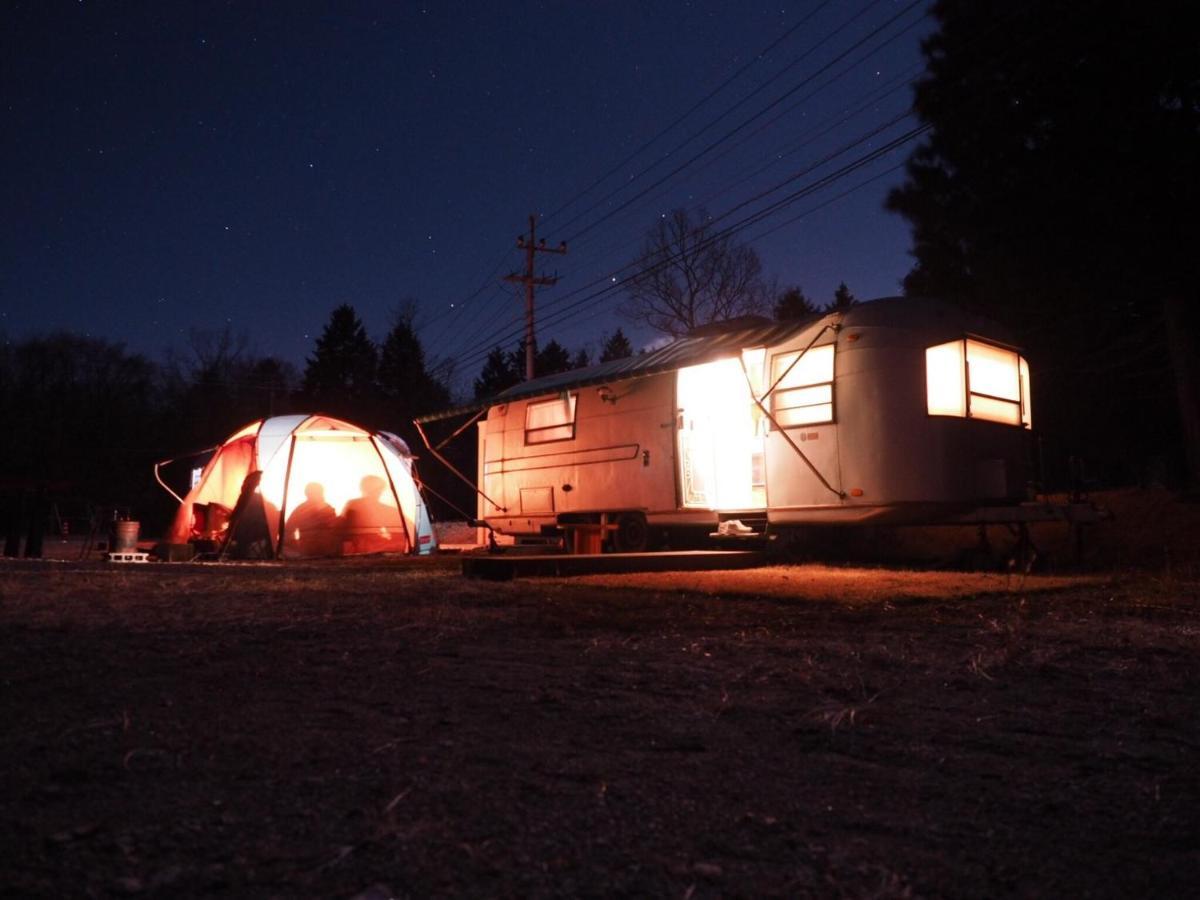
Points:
(305, 486)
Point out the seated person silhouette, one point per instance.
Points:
(254, 521)
(371, 526)
(311, 528)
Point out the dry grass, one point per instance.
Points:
(851, 586)
(262, 730)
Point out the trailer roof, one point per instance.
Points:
(702, 345)
(721, 339)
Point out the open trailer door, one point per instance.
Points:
(720, 439)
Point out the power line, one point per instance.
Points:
(809, 169)
(749, 220)
(573, 311)
(568, 312)
(691, 109)
(863, 103)
(807, 212)
(746, 122)
(460, 306)
(804, 99)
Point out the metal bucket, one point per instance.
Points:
(125, 536)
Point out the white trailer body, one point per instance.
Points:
(897, 410)
(906, 437)
(613, 450)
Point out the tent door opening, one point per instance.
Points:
(720, 440)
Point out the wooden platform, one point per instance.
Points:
(505, 566)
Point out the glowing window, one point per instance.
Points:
(977, 380)
(1026, 406)
(550, 420)
(804, 387)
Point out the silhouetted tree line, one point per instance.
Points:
(86, 419)
(1058, 192)
(501, 369)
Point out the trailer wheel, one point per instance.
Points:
(632, 534)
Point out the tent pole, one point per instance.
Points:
(287, 480)
(165, 462)
(162, 483)
(445, 462)
(412, 539)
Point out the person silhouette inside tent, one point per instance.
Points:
(371, 526)
(253, 523)
(311, 528)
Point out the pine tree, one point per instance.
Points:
(340, 375)
(792, 304)
(1056, 191)
(616, 346)
(499, 372)
(552, 359)
(404, 380)
(502, 370)
(842, 299)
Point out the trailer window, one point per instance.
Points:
(803, 392)
(977, 380)
(550, 420)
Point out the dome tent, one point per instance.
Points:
(307, 485)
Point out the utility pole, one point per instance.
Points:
(531, 247)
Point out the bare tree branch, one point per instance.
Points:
(689, 276)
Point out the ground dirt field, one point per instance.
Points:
(395, 730)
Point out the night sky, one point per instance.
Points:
(177, 166)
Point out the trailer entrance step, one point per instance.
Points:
(502, 567)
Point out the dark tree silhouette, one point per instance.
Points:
(502, 370)
(83, 424)
(1057, 191)
(219, 384)
(616, 346)
(581, 360)
(340, 375)
(792, 304)
(842, 299)
(551, 359)
(271, 382)
(689, 275)
(407, 387)
(499, 372)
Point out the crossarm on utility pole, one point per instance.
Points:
(530, 280)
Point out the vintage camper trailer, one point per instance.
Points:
(898, 410)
